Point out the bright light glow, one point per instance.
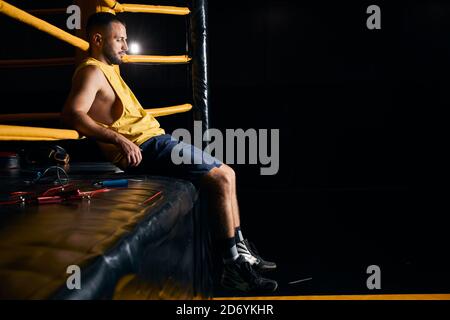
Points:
(135, 48)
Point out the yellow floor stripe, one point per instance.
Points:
(348, 297)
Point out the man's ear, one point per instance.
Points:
(97, 38)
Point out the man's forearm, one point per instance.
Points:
(85, 125)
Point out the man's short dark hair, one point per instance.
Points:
(101, 20)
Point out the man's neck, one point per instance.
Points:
(100, 58)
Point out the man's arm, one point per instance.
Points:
(85, 87)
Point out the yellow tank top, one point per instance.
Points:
(135, 123)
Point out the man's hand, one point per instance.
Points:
(131, 151)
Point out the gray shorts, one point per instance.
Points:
(157, 159)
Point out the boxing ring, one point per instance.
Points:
(150, 232)
(196, 55)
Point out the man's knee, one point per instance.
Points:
(228, 172)
(222, 177)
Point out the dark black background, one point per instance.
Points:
(362, 119)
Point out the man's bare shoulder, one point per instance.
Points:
(89, 74)
(85, 84)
